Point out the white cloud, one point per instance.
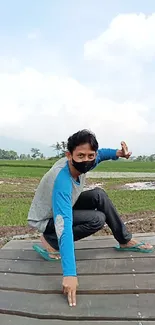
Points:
(123, 57)
(128, 36)
(48, 108)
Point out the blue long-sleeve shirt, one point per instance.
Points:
(55, 197)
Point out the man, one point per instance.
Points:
(64, 213)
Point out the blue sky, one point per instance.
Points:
(63, 26)
(45, 45)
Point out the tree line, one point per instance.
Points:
(13, 155)
(60, 149)
(145, 158)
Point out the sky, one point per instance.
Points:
(67, 65)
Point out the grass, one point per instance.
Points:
(29, 163)
(128, 202)
(16, 197)
(13, 211)
(38, 168)
(22, 172)
(126, 166)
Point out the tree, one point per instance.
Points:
(139, 158)
(35, 153)
(23, 156)
(10, 155)
(64, 147)
(152, 157)
(57, 147)
(42, 156)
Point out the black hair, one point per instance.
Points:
(82, 137)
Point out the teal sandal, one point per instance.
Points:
(135, 248)
(44, 253)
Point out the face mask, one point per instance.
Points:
(83, 166)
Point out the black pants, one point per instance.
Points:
(91, 211)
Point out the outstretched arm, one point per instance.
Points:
(106, 154)
(113, 154)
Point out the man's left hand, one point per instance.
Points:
(124, 153)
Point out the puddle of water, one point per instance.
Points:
(140, 186)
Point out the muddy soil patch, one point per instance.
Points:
(7, 232)
(140, 222)
(18, 185)
(19, 180)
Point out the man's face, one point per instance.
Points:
(82, 153)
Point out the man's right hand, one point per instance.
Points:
(70, 284)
